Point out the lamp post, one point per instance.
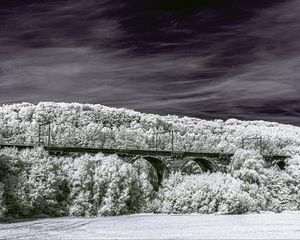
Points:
(40, 132)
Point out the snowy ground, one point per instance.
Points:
(149, 226)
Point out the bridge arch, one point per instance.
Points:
(161, 166)
(280, 164)
(205, 165)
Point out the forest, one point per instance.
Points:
(34, 183)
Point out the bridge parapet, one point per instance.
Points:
(177, 155)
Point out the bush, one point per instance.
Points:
(104, 186)
(248, 165)
(34, 183)
(207, 193)
(284, 186)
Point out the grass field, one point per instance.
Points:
(150, 226)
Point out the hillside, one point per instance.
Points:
(34, 183)
(77, 124)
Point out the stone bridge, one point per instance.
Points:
(163, 162)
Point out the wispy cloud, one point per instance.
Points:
(203, 64)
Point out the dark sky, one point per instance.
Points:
(200, 58)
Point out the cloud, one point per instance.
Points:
(199, 64)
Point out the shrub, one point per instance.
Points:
(207, 193)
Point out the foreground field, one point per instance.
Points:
(148, 226)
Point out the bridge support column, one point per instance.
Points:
(176, 164)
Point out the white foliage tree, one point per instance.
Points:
(36, 183)
(207, 193)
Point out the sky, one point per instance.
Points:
(200, 58)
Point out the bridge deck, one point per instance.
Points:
(69, 149)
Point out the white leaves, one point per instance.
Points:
(100, 126)
(106, 185)
(207, 193)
